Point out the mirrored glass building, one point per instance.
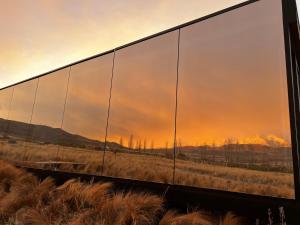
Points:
(211, 104)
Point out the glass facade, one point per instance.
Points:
(5, 100)
(86, 112)
(141, 123)
(233, 112)
(45, 133)
(19, 119)
(205, 106)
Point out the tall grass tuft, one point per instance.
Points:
(194, 218)
(24, 200)
(232, 219)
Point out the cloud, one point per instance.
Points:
(38, 36)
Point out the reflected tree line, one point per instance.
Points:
(231, 153)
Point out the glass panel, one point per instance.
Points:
(5, 99)
(19, 119)
(141, 124)
(86, 113)
(233, 118)
(45, 132)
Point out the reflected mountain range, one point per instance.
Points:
(47, 135)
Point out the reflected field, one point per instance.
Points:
(132, 163)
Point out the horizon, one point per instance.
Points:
(269, 140)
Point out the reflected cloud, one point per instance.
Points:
(50, 99)
(232, 79)
(39, 36)
(87, 101)
(143, 92)
(22, 101)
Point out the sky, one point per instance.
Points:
(50, 34)
(38, 36)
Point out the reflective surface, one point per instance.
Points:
(141, 124)
(5, 99)
(232, 132)
(45, 132)
(20, 117)
(233, 118)
(23, 101)
(87, 106)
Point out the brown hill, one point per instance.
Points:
(46, 135)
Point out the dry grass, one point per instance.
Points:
(231, 219)
(194, 218)
(26, 201)
(157, 169)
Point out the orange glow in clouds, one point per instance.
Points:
(38, 36)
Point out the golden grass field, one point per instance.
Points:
(152, 168)
(24, 200)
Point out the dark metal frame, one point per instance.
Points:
(244, 203)
(292, 52)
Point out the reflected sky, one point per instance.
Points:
(51, 94)
(22, 101)
(5, 97)
(143, 92)
(231, 83)
(87, 101)
(38, 36)
(232, 78)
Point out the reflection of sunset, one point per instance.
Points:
(233, 90)
(202, 106)
(234, 85)
(270, 140)
(48, 107)
(87, 101)
(22, 102)
(38, 36)
(5, 97)
(143, 92)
